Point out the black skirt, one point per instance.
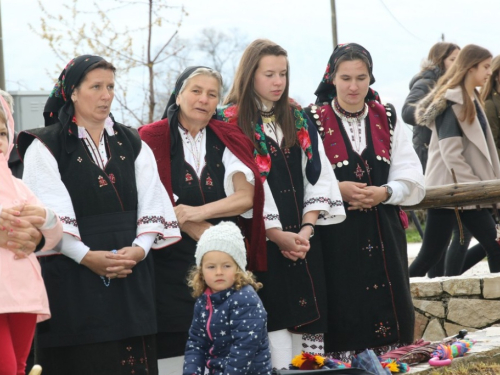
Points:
(85, 312)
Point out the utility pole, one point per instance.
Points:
(2, 71)
(334, 24)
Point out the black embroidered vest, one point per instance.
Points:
(92, 190)
(209, 187)
(287, 184)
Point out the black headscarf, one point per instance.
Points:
(326, 90)
(59, 106)
(172, 110)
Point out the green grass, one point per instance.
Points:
(474, 368)
(412, 234)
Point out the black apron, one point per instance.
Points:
(292, 293)
(369, 302)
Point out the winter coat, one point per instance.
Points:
(456, 144)
(420, 85)
(228, 334)
(492, 109)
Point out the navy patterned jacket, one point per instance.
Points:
(228, 335)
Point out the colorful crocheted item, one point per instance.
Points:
(394, 366)
(306, 361)
(443, 354)
(229, 114)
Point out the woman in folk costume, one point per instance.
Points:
(463, 148)
(300, 192)
(23, 299)
(207, 167)
(369, 303)
(102, 181)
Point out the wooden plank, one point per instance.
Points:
(460, 195)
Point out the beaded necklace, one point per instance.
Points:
(354, 121)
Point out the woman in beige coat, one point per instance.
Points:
(461, 144)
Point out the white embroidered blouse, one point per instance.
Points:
(42, 175)
(324, 196)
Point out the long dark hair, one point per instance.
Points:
(243, 94)
(490, 85)
(438, 53)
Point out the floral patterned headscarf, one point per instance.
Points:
(59, 106)
(326, 90)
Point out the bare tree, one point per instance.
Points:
(223, 50)
(93, 29)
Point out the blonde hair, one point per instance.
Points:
(197, 281)
(489, 86)
(469, 57)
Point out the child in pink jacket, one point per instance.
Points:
(23, 299)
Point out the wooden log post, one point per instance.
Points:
(460, 195)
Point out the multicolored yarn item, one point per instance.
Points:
(394, 366)
(306, 361)
(443, 354)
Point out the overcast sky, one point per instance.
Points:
(398, 33)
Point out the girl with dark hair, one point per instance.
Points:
(301, 191)
(369, 302)
(490, 94)
(462, 145)
(102, 181)
(441, 57)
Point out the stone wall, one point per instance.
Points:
(444, 306)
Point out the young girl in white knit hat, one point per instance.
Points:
(229, 329)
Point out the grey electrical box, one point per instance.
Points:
(28, 108)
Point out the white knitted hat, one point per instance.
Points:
(225, 237)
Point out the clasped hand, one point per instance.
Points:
(119, 265)
(19, 229)
(292, 245)
(360, 196)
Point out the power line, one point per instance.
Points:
(400, 24)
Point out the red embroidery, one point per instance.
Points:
(359, 172)
(102, 181)
(273, 149)
(383, 330)
(368, 169)
(112, 178)
(209, 181)
(302, 302)
(189, 177)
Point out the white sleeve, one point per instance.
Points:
(271, 213)
(234, 165)
(325, 195)
(155, 213)
(72, 247)
(41, 175)
(145, 241)
(400, 190)
(50, 219)
(405, 167)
